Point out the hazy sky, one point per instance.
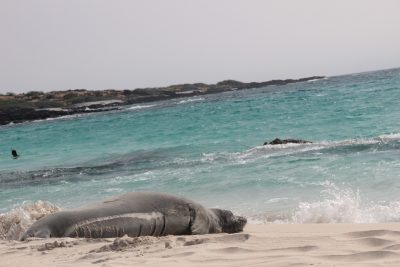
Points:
(97, 44)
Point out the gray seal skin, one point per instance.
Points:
(137, 214)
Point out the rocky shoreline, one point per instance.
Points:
(18, 108)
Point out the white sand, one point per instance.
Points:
(259, 245)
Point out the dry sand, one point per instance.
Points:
(258, 245)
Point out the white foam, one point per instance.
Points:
(337, 205)
(191, 100)
(318, 79)
(267, 151)
(346, 206)
(258, 152)
(276, 200)
(15, 222)
(389, 137)
(73, 116)
(140, 107)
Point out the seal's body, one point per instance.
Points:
(137, 214)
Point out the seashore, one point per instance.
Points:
(258, 245)
(37, 105)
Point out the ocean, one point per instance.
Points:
(210, 149)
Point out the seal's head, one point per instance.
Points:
(35, 232)
(229, 223)
(51, 225)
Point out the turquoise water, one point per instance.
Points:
(209, 149)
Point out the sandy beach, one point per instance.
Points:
(258, 245)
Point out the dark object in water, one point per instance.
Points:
(278, 141)
(14, 153)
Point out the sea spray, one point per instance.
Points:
(14, 223)
(345, 205)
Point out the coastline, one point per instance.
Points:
(19, 108)
(258, 245)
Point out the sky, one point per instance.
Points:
(50, 45)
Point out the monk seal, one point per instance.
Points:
(137, 214)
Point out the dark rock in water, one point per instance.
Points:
(278, 141)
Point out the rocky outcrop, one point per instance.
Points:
(18, 115)
(39, 105)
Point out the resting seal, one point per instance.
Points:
(137, 214)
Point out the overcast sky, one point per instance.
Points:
(97, 44)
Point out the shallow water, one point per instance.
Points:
(209, 149)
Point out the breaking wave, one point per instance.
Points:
(382, 142)
(197, 99)
(345, 206)
(337, 205)
(140, 107)
(15, 222)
